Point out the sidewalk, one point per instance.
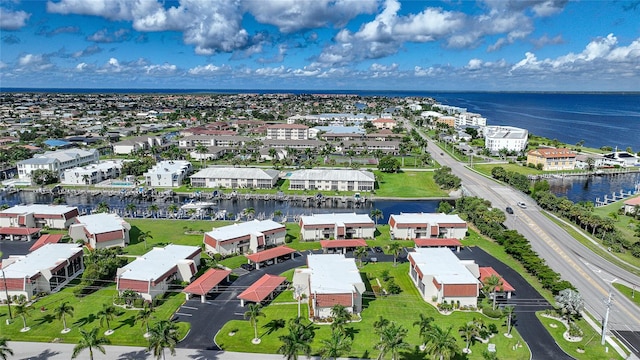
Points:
(609, 340)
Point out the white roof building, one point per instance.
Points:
(95, 173)
(338, 180)
(168, 173)
(240, 237)
(101, 230)
(337, 226)
(38, 215)
(505, 137)
(57, 161)
(235, 177)
(426, 225)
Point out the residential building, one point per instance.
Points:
(336, 180)
(336, 226)
(632, 205)
(331, 279)
(39, 216)
(93, 173)
(440, 276)
(57, 161)
(552, 159)
(510, 138)
(101, 230)
(426, 225)
(450, 121)
(288, 132)
(45, 270)
(293, 144)
(168, 173)
(191, 142)
(150, 274)
(251, 236)
(138, 143)
(622, 158)
(466, 119)
(235, 177)
(384, 124)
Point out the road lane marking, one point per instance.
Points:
(551, 243)
(189, 307)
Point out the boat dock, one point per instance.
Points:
(617, 196)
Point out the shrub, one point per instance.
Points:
(385, 275)
(393, 288)
(494, 314)
(574, 330)
(493, 328)
(138, 303)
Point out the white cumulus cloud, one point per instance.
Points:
(13, 20)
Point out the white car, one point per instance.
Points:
(522, 205)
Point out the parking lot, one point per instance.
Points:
(8, 247)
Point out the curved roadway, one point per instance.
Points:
(576, 263)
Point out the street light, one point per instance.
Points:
(6, 291)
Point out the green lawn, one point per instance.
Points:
(633, 295)
(590, 341)
(625, 224)
(409, 184)
(525, 170)
(45, 327)
(402, 308)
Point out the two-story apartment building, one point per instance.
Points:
(93, 173)
(101, 230)
(252, 236)
(336, 226)
(235, 177)
(426, 225)
(168, 173)
(337, 180)
(57, 161)
(39, 216)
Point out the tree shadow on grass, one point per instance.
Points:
(351, 332)
(133, 235)
(131, 321)
(45, 319)
(85, 320)
(415, 354)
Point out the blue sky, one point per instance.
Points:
(492, 45)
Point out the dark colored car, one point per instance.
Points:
(509, 210)
(377, 249)
(248, 267)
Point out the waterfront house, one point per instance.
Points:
(45, 270)
(330, 279)
(39, 216)
(426, 225)
(57, 161)
(441, 277)
(336, 226)
(336, 180)
(168, 173)
(101, 230)
(93, 173)
(235, 177)
(251, 236)
(552, 159)
(150, 274)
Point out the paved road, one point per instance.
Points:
(563, 253)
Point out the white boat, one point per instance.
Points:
(197, 205)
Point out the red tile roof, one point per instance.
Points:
(330, 244)
(633, 202)
(270, 254)
(328, 300)
(262, 288)
(46, 239)
(435, 242)
(207, 281)
(18, 231)
(486, 272)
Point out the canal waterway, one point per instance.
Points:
(588, 188)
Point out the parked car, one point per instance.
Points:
(248, 267)
(377, 249)
(509, 210)
(522, 205)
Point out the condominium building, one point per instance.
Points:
(57, 161)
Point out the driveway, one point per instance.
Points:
(8, 247)
(207, 318)
(527, 301)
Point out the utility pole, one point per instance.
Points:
(633, 292)
(6, 292)
(608, 304)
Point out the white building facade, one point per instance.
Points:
(336, 226)
(336, 180)
(234, 178)
(426, 225)
(101, 230)
(511, 138)
(168, 173)
(93, 173)
(57, 161)
(240, 238)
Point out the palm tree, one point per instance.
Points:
(492, 284)
(340, 317)
(255, 311)
(392, 341)
(441, 343)
(85, 179)
(380, 325)
(144, 316)
(131, 208)
(143, 236)
(468, 331)
(277, 213)
(154, 210)
(23, 311)
(163, 335)
(359, 253)
(201, 150)
(107, 314)
(424, 326)
(509, 312)
(298, 340)
(395, 248)
(61, 312)
(173, 208)
(335, 346)
(4, 348)
(377, 214)
(248, 212)
(102, 207)
(90, 340)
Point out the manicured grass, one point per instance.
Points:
(45, 327)
(627, 291)
(497, 251)
(625, 224)
(295, 241)
(620, 259)
(525, 170)
(402, 308)
(408, 184)
(590, 341)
